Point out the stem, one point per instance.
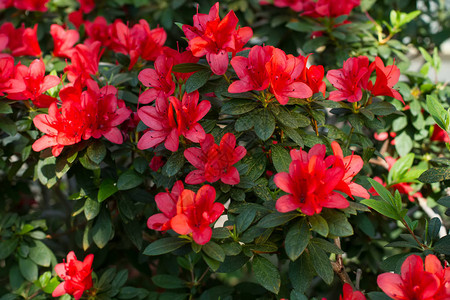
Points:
(350, 137)
(413, 235)
(314, 124)
(338, 266)
(203, 275)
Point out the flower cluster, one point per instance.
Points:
(77, 276)
(355, 75)
(31, 5)
(318, 8)
(417, 283)
(314, 181)
(187, 212)
(21, 41)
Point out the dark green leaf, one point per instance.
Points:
(107, 189)
(337, 223)
(5, 108)
(233, 263)
(244, 123)
(8, 126)
(238, 106)
(382, 108)
(319, 224)
(264, 124)
(301, 272)
(7, 247)
(244, 219)
(128, 180)
(188, 68)
(40, 254)
(96, 152)
(174, 164)
(164, 245)
(276, 218)
(214, 251)
(403, 143)
(168, 282)
(120, 279)
(91, 208)
(280, 158)
(326, 246)
(28, 269)
(435, 175)
(443, 245)
(266, 274)
(197, 80)
(297, 239)
(103, 229)
(212, 263)
(322, 264)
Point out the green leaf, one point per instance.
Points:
(91, 208)
(103, 230)
(337, 223)
(168, 282)
(319, 224)
(290, 119)
(264, 124)
(197, 80)
(40, 254)
(107, 189)
(443, 245)
(326, 246)
(437, 111)
(128, 180)
(120, 279)
(28, 269)
(7, 247)
(301, 272)
(381, 108)
(400, 167)
(244, 123)
(164, 245)
(444, 201)
(188, 68)
(5, 108)
(96, 152)
(322, 264)
(276, 218)
(245, 219)
(403, 143)
(297, 239)
(214, 251)
(233, 263)
(382, 207)
(212, 263)
(238, 106)
(266, 274)
(280, 158)
(8, 126)
(140, 164)
(435, 175)
(174, 164)
(51, 286)
(294, 135)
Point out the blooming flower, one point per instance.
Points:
(63, 40)
(156, 163)
(86, 6)
(158, 79)
(8, 82)
(181, 58)
(415, 283)
(167, 204)
(196, 212)
(328, 8)
(312, 182)
(387, 77)
(77, 276)
(31, 5)
(349, 294)
(439, 135)
(36, 83)
(98, 30)
(215, 38)
(85, 60)
(21, 41)
(214, 162)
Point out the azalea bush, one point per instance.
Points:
(234, 150)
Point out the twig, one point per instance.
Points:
(338, 266)
(358, 278)
(423, 204)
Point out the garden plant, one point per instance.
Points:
(283, 149)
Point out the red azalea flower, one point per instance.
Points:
(167, 204)
(36, 83)
(348, 80)
(4, 4)
(31, 5)
(137, 41)
(162, 126)
(21, 41)
(414, 283)
(76, 18)
(214, 38)
(181, 58)
(86, 6)
(158, 79)
(8, 82)
(433, 266)
(189, 112)
(283, 70)
(77, 276)
(295, 5)
(196, 212)
(98, 30)
(314, 79)
(329, 8)
(352, 165)
(349, 294)
(251, 70)
(214, 162)
(311, 182)
(62, 127)
(387, 77)
(439, 135)
(63, 40)
(156, 163)
(85, 60)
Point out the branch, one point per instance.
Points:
(339, 268)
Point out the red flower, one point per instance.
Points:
(8, 82)
(189, 112)
(181, 58)
(196, 212)
(214, 162)
(31, 5)
(329, 8)
(387, 77)
(439, 134)
(158, 79)
(167, 204)
(433, 265)
(352, 165)
(137, 41)
(63, 40)
(21, 41)
(296, 5)
(4, 4)
(314, 79)
(77, 276)
(414, 283)
(85, 60)
(76, 18)
(86, 6)
(156, 163)
(215, 38)
(99, 30)
(311, 182)
(36, 84)
(251, 70)
(349, 294)
(283, 71)
(348, 79)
